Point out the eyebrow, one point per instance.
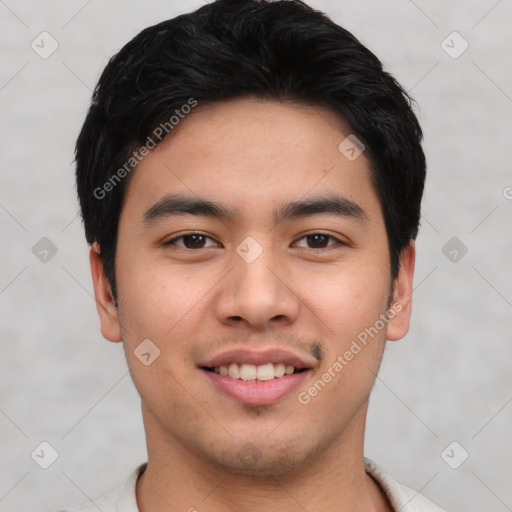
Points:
(171, 205)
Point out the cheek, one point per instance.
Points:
(346, 301)
(349, 308)
(156, 297)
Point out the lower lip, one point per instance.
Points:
(257, 392)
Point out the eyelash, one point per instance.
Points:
(338, 242)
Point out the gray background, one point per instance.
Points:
(448, 380)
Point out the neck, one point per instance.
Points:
(333, 479)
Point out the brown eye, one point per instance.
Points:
(194, 241)
(190, 241)
(319, 241)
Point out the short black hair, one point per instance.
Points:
(228, 49)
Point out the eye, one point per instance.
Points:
(320, 240)
(190, 241)
(198, 241)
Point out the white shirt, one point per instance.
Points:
(402, 499)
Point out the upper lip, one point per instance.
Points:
(258, 357)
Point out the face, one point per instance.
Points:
(248, 242)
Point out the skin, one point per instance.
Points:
(252, 155)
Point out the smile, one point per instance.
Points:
(254, 385)
(252, 372)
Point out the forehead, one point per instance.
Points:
(253, 154)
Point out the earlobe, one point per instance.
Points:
(401, 306)
(105, 303)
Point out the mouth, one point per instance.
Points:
(256, 376)
(254, 373)
(256, 385)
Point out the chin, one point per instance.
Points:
(261, 461)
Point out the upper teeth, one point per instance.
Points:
(251, 372)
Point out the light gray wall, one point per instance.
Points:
(449, 380)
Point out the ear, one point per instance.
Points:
(401, 306)
(105, 303)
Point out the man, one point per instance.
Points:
(250, 182)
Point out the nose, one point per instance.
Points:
(257, 295)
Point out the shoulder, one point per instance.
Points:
(120, 499)
(401, 497)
